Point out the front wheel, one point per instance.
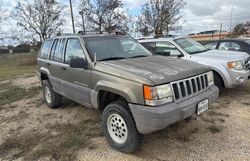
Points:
(218, 82)
(119, 127)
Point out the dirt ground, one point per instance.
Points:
(31, 131)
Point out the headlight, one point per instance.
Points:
(210, 78)
(163, 91)
(238, 65)
(158, 95)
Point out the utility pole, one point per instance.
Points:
(220, 29)
(83, 23)
(231, 20)
(72, 16)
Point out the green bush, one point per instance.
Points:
(4, 51)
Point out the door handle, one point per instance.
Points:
(48, 64)
(63, 68)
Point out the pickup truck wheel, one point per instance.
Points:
(218, 82)
(52, 99)
(119, 127)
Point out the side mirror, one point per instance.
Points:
(163, 53)
(176, 53)
(78, 63)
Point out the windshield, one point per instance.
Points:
(114, 47)
(190, 46)
(247, 41)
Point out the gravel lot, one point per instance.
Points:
(31, 131)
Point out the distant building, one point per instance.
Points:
(3, 47)
(209, 35)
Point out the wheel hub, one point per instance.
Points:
(117, 128)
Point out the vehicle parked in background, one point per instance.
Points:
(230, 45)
(230, 68)
(138, 93)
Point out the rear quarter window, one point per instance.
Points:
(45, 49)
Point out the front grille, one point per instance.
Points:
(246, 64)
(188, 87)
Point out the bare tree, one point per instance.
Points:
(160, 16)
(41, 17)
(4, 14)
(241, 30)
(104, 15)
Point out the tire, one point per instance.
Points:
(52, 99)
(128, 139)
(218, 81)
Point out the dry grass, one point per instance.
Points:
(22, 64)
(10, 93)
(60, 143)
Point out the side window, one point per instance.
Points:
(229, 46)
(54, 46)
(235, 46)
(150, 46)
(45, 49)
(211, 45)
(73, 50)
(167, 49)
(57, 50)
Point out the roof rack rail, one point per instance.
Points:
(164, 36)
(156, 37)
(97, 32)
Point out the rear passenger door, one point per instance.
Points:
(76, 81)
(55, 64)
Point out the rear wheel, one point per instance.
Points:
(52, 99)
(119, 127)
(218, 81)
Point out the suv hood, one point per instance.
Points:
(226, 56)
(158, 69)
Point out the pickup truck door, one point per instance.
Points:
(76, 81)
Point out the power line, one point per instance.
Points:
(216, 17)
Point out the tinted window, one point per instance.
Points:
(229, 46)
(150, 46)
(73, 50)
(57, 50)
(45, 49)
(166, 49)
(211, 45)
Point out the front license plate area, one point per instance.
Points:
(202, 107)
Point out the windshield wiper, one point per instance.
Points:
(138, 56)
(112, 58)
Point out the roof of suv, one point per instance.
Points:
(157, 39)
(88, 35)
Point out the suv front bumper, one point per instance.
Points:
(237, 77)
(150, 119)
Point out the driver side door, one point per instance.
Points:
(76, 82)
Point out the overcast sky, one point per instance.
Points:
(198, 15)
